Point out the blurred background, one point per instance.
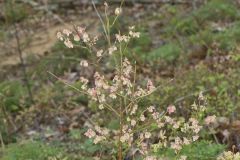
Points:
(193, 42)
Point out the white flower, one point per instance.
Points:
(112, 49)
(60, 36)
(98, 139)
(85, 37)
(122, 38)
(186, 141)
(125, 137)
(67, 32)
(134, 34)
(183, 157)
(131, 27)
(142, 118)
(76, 38)
(68, 43)
(83, 80)
(80, 30)
(133, 122)
(101, 107)
(155, 115)
(102, 98)
(195, 137)
(99, 53)
(151, 109)
(118, 11)
(113, 96)
(147, 135)
(84, 63)
(134, 109)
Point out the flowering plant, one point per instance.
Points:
(121, 95)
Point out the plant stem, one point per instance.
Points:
(121, 107)
(1, 139)
(23, 64)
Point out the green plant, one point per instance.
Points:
(215, 10)
(120, 96)
(12, 95)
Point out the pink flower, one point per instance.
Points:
(90, 133)
(210, 119)
(80, 30)
(150, 86)
(171, 109)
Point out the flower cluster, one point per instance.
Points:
(136, 123)
(79, 34)
(121, 95)
(229, 156)
(126, 38)
(210, 120)
(98, 135)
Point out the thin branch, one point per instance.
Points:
(66, 83)
(100, 18)
(27, 83)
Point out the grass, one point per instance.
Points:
(202, 150)
(168, 52)
(30, 150)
